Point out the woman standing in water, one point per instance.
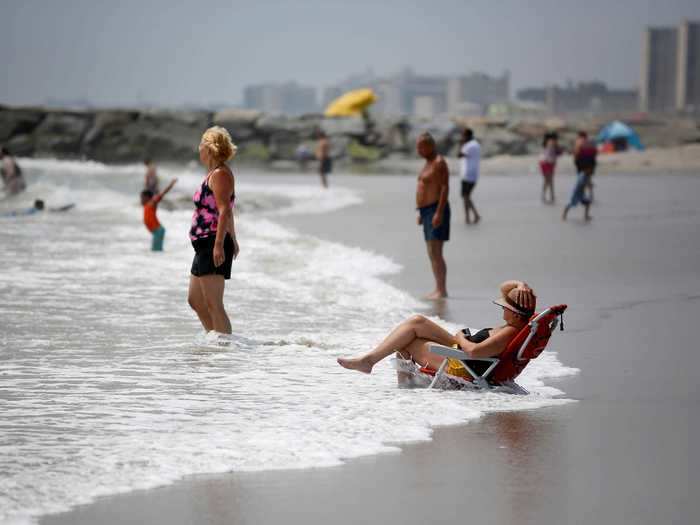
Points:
(213, 234)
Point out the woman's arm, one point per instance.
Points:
(222, 187)
(490, 347)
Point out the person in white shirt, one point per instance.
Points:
(470, 155)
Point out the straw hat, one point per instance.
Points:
(511, 303)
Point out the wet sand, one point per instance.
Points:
(623, 453)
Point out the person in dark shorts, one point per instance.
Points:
(213, 233)
(203, 262)
(433, 207)
(442, 232)
(323, 154)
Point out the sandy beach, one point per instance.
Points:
(621, 453)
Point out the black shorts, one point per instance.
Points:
(203, 262)
(326, 165)
(467, 188)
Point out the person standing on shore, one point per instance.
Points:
(548, 164)
(470, 155)
(323, 154)
(11, 173)
(150, 181)
(433, 207)
(213, 232)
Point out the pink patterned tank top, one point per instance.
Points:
(205, 218)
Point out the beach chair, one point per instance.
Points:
(500, 372)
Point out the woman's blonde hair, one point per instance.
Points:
(218, 141)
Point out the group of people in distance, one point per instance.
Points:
(585, 159)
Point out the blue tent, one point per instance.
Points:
(617, 131)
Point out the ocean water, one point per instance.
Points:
(108, 384)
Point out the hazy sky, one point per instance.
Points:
(121, 52)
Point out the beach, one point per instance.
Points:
(616, 449)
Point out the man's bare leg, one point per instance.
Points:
(467, 204)
(439, 266)
(409, 337)
(477, 217)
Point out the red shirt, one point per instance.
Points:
(149, 214)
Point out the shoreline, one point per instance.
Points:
(545, 481)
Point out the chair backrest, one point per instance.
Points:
(527, 345)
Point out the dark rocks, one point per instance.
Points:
(19, 121)
(60, 134)
(173, 136)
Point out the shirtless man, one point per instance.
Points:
(434, 209)
(323, 154)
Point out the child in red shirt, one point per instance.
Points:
(150, 205)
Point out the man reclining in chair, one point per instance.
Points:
(411, 339)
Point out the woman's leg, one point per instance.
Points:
(195, 297)
(213, 291)
(407, 338)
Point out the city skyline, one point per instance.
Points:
(163, 54)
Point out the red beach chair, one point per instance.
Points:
(500, 372)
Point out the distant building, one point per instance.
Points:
(688, 82)
(584, 97)
(408, 93)
(670, 77)
(289, 98)
(477, 88)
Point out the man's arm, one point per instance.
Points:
(443, 177)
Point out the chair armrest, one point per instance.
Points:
(447, 351)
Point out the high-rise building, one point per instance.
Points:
(688, 79)
(671, 68)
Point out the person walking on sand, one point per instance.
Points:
(150, 181)
(470, 155)
(149, 201)
(548, 164)
(213, 232)
(585, 158)
(585, 153)
(11, 173)
(432, 190)
(323, 154)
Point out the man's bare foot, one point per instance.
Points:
(477, 219)
(355, 363)
(437, 294)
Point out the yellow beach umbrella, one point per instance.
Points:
(351, 103)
